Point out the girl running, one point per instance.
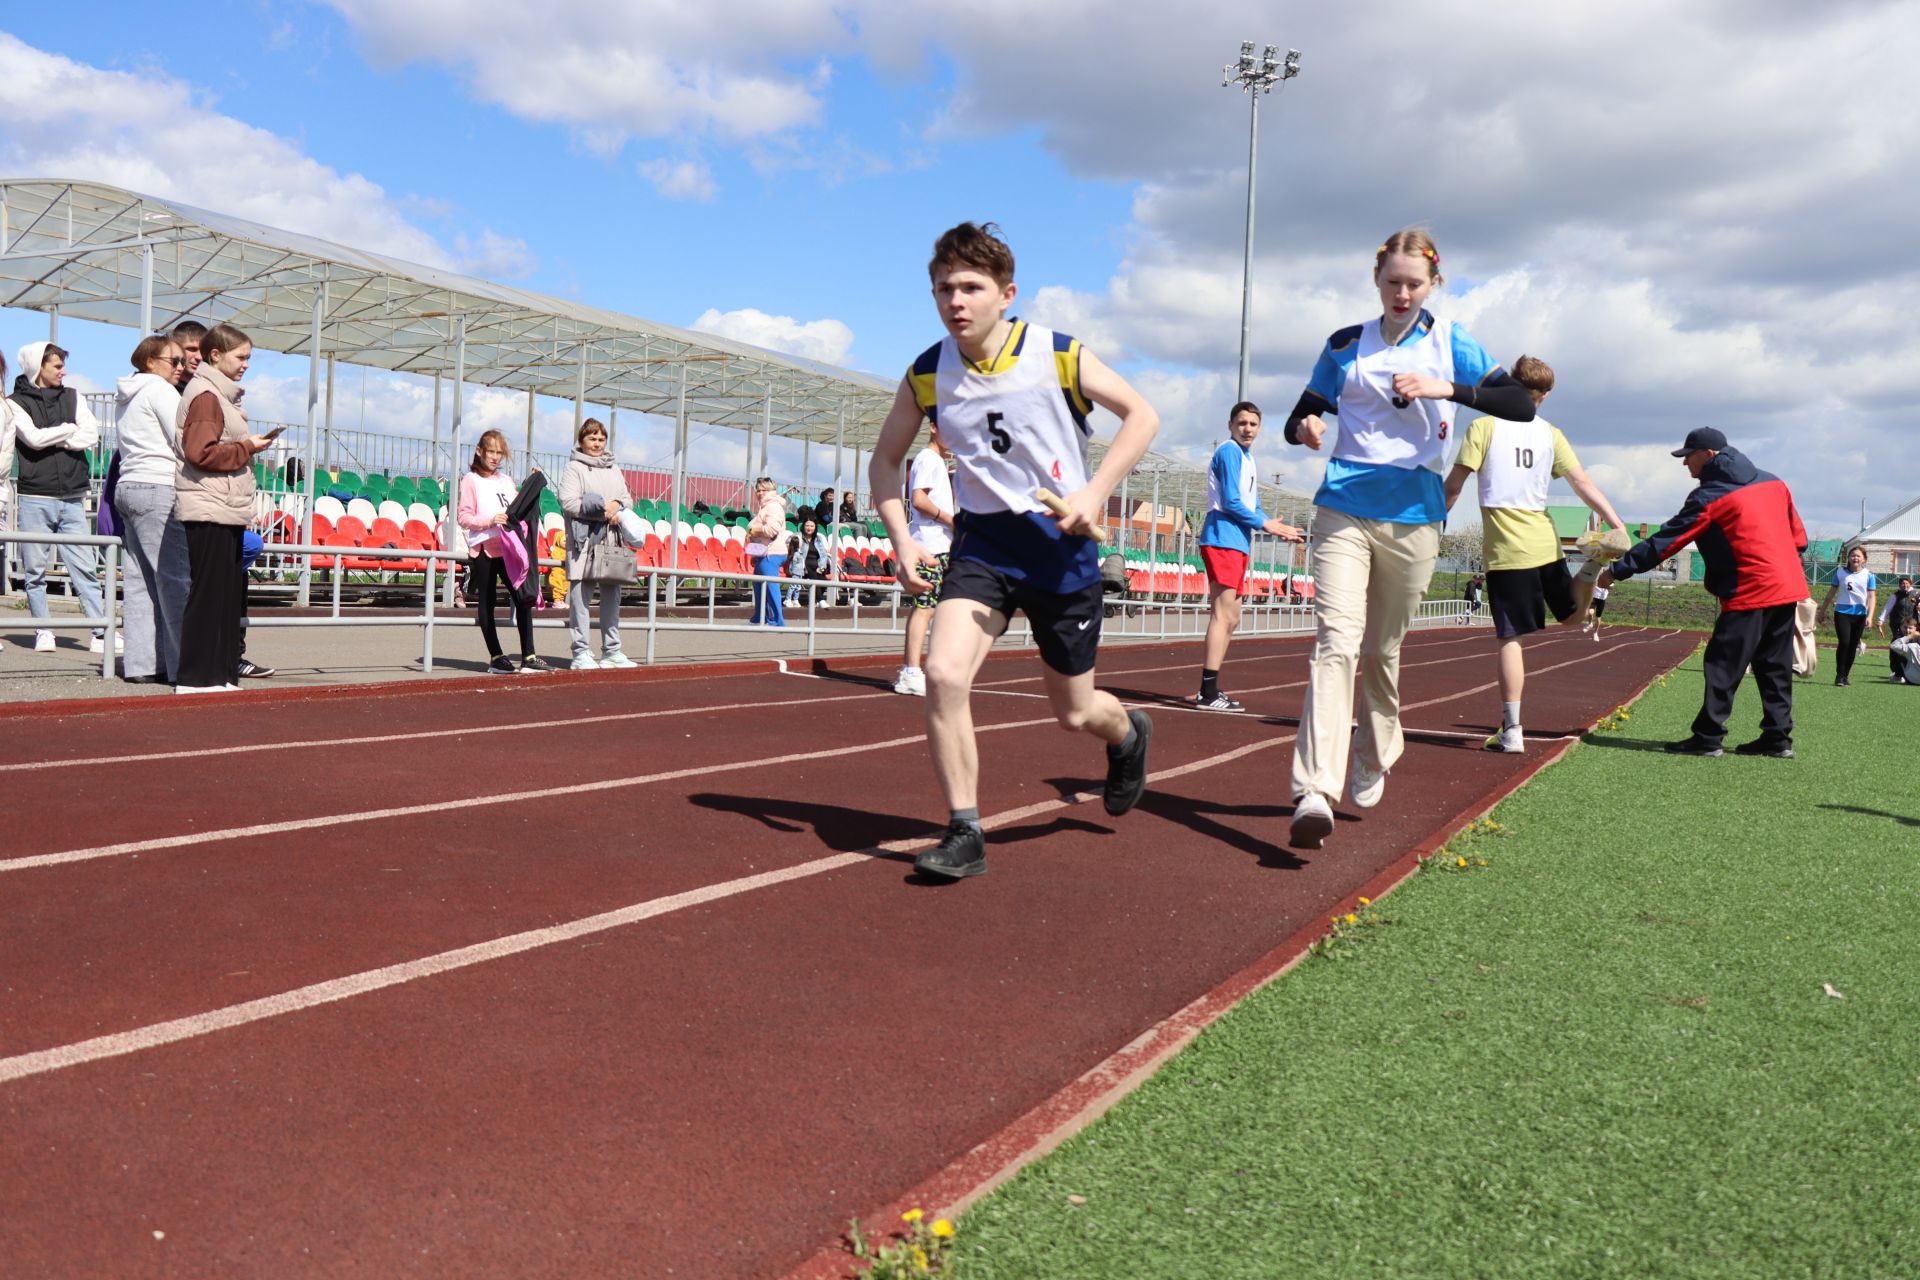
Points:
(1391, 381)
(486, 491)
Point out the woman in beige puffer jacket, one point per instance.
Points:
(593, 492)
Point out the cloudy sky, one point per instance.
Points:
(1693, 210)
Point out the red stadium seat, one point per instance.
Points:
(350, 527)
(322, 530)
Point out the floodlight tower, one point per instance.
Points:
(1255, 76)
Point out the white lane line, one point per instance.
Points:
(372, 739)
(442, 806)
(174, 1030)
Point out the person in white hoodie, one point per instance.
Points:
(53, 432)
(157, 576)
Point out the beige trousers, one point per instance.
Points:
(1369, 576)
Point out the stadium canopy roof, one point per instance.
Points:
(101, 253)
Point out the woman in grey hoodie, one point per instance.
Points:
(592, 493)
(156, 574)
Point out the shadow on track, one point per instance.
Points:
(1900, 818)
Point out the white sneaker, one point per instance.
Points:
(99, 644)
(1364, 788)
(1312, 821)
(1509, 740)
(1596, 635)
(586, 662)
(911, 681)
(43, 642)
(206, 688)
(617, 661)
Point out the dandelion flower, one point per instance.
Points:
(1459, 862)
(942, 1229)
(912, 1215)
(1350, 918)
(1366, 902)
(920, 1258)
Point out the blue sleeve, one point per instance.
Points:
(1329, 377)
(1839, 576)
(1228, 462)
(1873, 583)
(1471, 363)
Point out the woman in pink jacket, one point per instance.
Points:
(486, 491)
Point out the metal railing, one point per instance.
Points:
(109, 587)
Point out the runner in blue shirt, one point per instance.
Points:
(1226, 544)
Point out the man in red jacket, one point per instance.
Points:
(1743, 523)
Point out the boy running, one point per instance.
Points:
(1526, 574)
(930, 517)
(1233, 512)
(1011, 402)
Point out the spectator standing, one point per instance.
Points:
(157, 577)
(1854, 588)
(213, 497)
(930, 520)
(53, 433)
(8, 411)
(189, 334)
(593, 493)
(767, 550)
(486, 493)
(1894, 616)
(1744, 525)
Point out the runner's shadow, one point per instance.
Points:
(1900, 818)
(1192, 815)
(841, 829)
(1592, 739)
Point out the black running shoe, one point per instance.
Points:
(1218, 702)
(1762, 747)
(253, 670)
(1127, 771)
(961, 852)
(501, 666)
(1693, 747)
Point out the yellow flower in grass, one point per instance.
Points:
(920, 1258)
(1366, 902)
(1459, 862)
(1351, 918)
(942, 1229)
(912, 1215)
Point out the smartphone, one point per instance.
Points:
(269, 435)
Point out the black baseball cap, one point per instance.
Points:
(1702, 438)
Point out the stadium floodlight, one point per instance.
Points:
(1255, 76)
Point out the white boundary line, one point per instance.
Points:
(175, 1030)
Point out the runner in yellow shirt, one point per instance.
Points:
(1526, 573)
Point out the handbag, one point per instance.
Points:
(608, 561)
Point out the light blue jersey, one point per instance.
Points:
(1233, 500)
(1409, 489)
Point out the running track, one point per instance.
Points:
(627, 975)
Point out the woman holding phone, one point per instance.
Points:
(214, 499)
(1393, 383)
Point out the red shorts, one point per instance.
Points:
(1225, 567)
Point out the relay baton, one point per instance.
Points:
(1058, 505)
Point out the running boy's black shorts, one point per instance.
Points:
(1519, 598)
(1065, 626)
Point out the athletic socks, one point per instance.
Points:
(1209, 683)
(1127, 747)
(969, 816)
(1509, 715)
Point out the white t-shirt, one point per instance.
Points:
(930, 473)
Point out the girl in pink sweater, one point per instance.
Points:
(486, 491)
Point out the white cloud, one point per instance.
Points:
(679, 180)
(151, 134)
(824, 340)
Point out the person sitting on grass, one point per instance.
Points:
(1745, 526)
(1894, 616)
(1011, 400)
(1906, 651)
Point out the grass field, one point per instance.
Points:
(1671, 1029)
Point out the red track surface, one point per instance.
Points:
(706, 1086)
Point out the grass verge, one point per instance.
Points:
(1671, 1028)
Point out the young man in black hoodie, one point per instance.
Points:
(1743, 522)
(54, 430)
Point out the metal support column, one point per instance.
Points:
(313, 453)
(146, 290)
(454, 426)
(678, 495)
(530, 426)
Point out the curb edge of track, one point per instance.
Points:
(965, 1181)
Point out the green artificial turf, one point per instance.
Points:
(1608, 1053)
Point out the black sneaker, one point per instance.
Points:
(1693, 747)
(1127, 772)
(253, 670)
(501, 666)
(1762, 747)
(535, 663)
(1218, 702)
(961, 853)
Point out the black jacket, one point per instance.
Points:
(55, 471)
(523, 525)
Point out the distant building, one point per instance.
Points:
(1893, 542)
